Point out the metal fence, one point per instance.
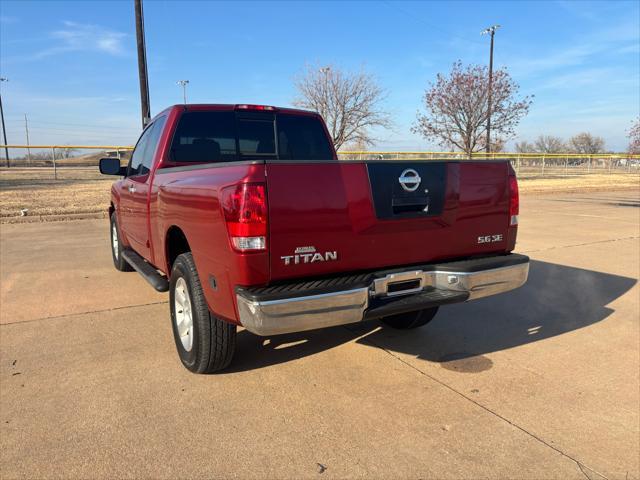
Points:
(525, 164)
(56, 159)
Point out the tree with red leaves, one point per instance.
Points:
(457, 107)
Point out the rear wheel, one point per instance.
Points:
(409, 320)
(116, 247)
(205, 343)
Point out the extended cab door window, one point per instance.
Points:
(138, 152)
(143, 154)
(152, 146)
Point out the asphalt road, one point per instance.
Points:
(541, 382)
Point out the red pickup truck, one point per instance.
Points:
(247, 217)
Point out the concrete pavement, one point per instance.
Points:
(542, 382)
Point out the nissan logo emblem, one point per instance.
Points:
(409, 180)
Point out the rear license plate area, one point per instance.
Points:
(396, 288)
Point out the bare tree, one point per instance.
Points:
(350, 103)
(549, 144)
(68, 152)
(498, 144)
(524, 147)
(355, 145)
(634, 138)
(586, 143)
(457, 108)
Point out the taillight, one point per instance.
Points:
(245, 211)
(514, 201)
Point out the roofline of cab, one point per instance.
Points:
(230, 107)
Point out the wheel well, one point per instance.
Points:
(176, 244)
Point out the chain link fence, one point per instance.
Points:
(57, 162)
(525, 164)
(69, 162)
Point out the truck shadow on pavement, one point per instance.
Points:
(555, 300)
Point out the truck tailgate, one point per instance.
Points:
(336, 216)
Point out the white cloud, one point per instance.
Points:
(623, 38)
(588, 77)
(77, 37)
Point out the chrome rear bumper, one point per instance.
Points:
(410, 290)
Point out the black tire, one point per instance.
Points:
(409, 320)
(214, 340)
(116, 251)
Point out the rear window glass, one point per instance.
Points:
(209, 137)
(205, 137)
(256, 136)
(302, 138)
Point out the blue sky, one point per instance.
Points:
(72, 65)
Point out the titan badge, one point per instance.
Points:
(308, 255)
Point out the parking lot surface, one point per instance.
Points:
(541, 382)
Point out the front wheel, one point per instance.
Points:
(205, 343)
(409, 320)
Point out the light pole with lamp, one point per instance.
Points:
(490, 31)
(183, 84)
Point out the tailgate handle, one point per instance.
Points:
(406, 205)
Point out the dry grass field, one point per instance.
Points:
(596, 182)
(83, 192)
(75, 192)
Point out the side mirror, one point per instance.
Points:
(111, 166)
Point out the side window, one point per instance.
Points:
(137, 157)
(152, 146)
(143, 154)
(205, 137)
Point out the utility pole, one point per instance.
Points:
(4, 129)
(490, 31)
(183, 84)
(142, 64)
(26, 129)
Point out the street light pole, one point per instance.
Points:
(325, 72)
(26, 128)
(490, 31)
(183, 84)
(142, 64)
(4, 129)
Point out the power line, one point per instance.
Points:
(39, 126)
(112, 127)
(74, 131)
